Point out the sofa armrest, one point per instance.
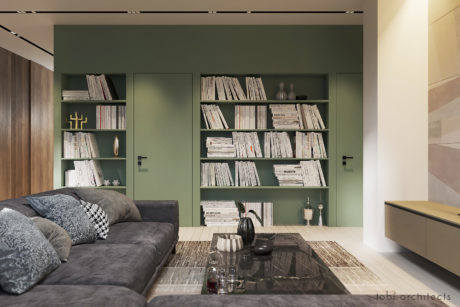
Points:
(164, 211)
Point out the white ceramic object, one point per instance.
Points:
(106, 182)
(116, 182)
(308, 215)
(229, 243)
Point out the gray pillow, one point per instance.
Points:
(65, 211)
(118, 207)
(57, 236)
(26, 256)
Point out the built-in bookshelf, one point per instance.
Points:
(111, 167)
(288, 201)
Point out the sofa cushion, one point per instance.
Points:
(56, 235)
(98, 218)
(126, 265)
(22, 205)
(159, 235)
(118, 207)
(26, 256)
(75, 295)
(65, 211)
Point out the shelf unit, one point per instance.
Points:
(288, 201)
(112, 167)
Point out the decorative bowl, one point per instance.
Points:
(262, 246)
(229, 243)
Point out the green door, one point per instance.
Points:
(163, 134)
(349, 144)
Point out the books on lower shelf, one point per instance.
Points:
(227, 88)
(216, 174)
(225, 213)
(99, 88)
(250, 117)
(247, 144)
(310, 145)
(75, 95)
(87, 173)
(246, 174)
(220, 213)
(306, 173)
(277, 145)
(213, 117)
(299, 116)
(80, 145)
(255, 89)
(220, 147)
(110, 117)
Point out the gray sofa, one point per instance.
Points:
(114, 272)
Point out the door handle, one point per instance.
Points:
(345, 158)
(139, 160)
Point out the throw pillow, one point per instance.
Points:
(118, 207)
(26, 256)
(98, 217)
(56, 235)
(65, 211)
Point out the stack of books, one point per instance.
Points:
(220, 147)
(110, 117)
(247, 144)
(99, 88)
(227, 88)
(246, 174)
(306, 173)
(310, 145)
(213, 117)
(80, 145)
(310, 117)
(75, 95)
(216, 174)
(250, 117)
(313, 175)
(220, 213)
(255, 89)
(285, 116)
(277, 145)
(87, 173)
(263, 209)
(289, 174)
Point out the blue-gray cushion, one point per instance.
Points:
(26, 256)
(65, 211)
(118, 207)
(56, 235)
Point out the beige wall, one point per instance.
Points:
(444, 101)
(395, 110)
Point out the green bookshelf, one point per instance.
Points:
(112, 167)
(288, 201)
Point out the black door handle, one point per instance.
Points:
(344, 159)
(139, 160)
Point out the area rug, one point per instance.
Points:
(184, 273)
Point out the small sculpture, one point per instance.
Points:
(281, 95)
(308, 213)
(116, 146)
(320, 219)
(77, 119)
(116, 182)
(291, 95)
(106, 182)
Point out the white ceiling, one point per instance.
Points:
(38, 28)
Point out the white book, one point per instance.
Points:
(221, 116)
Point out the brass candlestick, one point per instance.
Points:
(77, 119)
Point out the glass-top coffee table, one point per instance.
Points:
(293, 267)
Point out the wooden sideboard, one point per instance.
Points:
(429, 229)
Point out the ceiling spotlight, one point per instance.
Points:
(21, 12)
(249, 12)
(33, 12)
(349, 12)
(212, 12)
(133, 12)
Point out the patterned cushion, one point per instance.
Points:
(66, 212)
(57, 236)
(98, 217)
(26, 256)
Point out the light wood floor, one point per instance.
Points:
(403, 273)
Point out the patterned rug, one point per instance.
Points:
(184, 273)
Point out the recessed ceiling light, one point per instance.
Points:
(212, 12)
(133, 12)
(249, 12)
(350, 12)
(21, 12)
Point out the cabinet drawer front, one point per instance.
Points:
(443, 245)
(406, 228)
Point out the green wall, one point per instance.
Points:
(207, 49)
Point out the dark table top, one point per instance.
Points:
(293, 267)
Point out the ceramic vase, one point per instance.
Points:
(281, 95)
(246, 230)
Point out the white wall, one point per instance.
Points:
(395, 110)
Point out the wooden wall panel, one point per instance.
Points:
(41, 124)
(6, 59)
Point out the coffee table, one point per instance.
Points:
(293, 267)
